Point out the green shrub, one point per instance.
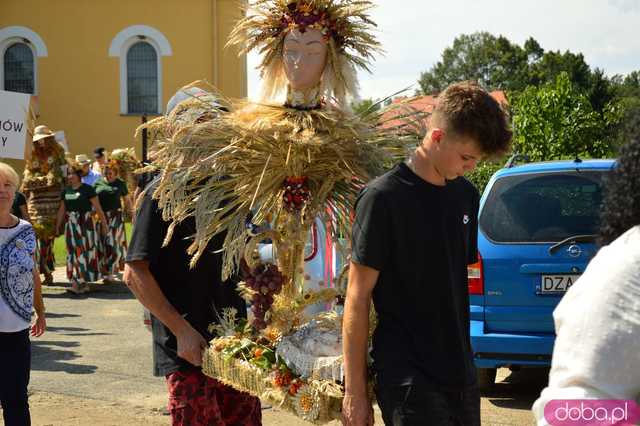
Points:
(481, 175)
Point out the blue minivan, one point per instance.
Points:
(537, 230)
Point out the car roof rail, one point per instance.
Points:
(515, 158)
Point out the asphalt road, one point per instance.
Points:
(97, 350)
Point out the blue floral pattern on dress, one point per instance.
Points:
(16, 271)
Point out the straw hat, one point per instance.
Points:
(42, 132)
(82, 159)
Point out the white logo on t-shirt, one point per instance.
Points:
(465, 219)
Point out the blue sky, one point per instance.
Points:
(415, 32)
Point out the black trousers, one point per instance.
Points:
(15, 367)
(420, 405)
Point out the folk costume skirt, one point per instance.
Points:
(80, 233)
(44, 256)
(113, 243)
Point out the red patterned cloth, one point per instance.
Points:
(198, 400)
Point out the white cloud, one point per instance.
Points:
(626, 5)
(415, 32)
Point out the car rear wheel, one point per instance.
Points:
(486, 378)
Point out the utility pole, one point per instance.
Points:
(144, 139)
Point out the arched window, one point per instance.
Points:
(19, 71)
(20, 49)
(140, 49)
(142, 79)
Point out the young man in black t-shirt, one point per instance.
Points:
(183, 302)
(415, 232)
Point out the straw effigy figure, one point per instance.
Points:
(42, 183)
(298, 155)
(124, 159)
(125, 164)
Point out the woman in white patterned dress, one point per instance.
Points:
(20, 293)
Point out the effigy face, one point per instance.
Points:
(304, 58)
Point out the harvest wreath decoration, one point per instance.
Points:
(287, 165)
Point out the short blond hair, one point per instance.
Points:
(10, 174)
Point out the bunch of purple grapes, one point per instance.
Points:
(266, 280)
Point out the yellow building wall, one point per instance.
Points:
(79, 83)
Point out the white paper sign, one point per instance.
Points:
(62, 139)
(14, 111)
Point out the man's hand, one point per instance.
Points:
(191, 344)
(144, 286)
(357, 411)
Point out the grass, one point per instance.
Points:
(60, 247)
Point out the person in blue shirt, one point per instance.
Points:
(89, 176)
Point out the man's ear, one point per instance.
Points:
(437, 134)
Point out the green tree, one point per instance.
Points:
(551, 64)
(480, 175)
(557, 120)
(494, 62)
(365, 106)
(627, 86)
(630, 122)
(498, 64)
(627, 90)
(601, 90)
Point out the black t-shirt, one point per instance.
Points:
(110, 193)
(143, 179)
(78, 200)
(198, 294)
(18, 200)
(421, 237)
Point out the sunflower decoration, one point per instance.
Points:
(306, 402)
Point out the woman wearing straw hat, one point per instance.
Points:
(111, 191)
(42, 182)
(83, 264)
(20, 293)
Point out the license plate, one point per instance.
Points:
(551, 284)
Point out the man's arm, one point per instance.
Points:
(144, 286)
(356, 406)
